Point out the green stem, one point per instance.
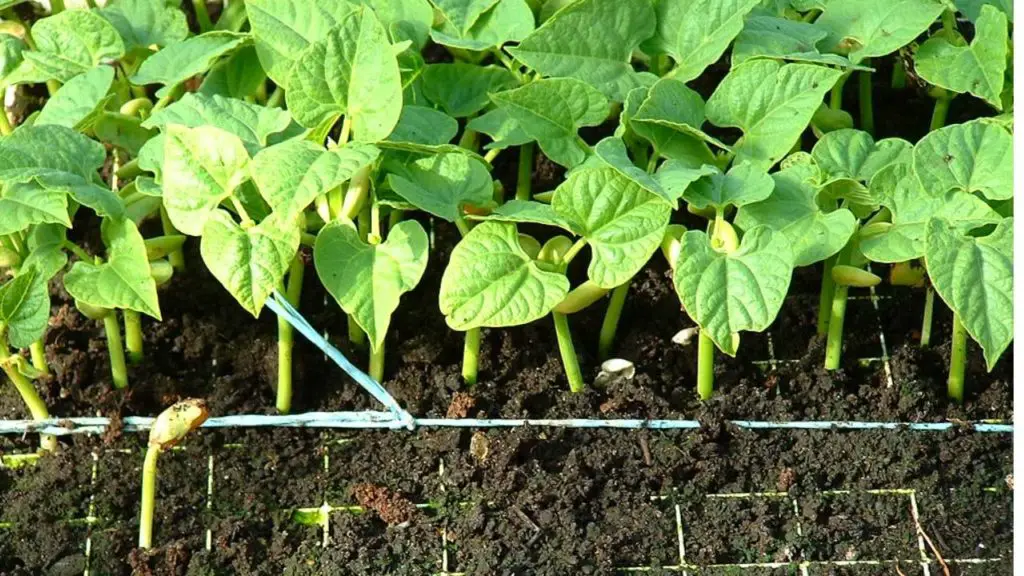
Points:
(356, 336)
(834, 345)
(78, 251)
(611, 321)
(202, 16)
(705, 366)
(115, 347)
(939, 113)
(867, 114)
(38, 352)
(148, 497)
(276, 98)
(899, 76)
(176, 258)
(949, 21)
(468, 139)
(525, 175)
(5, 123)
(471, 357)
(129, 170)
(285, 336)
(172, 94)
(377, 363)
(565, 346)
(355, 197)
(133, 336)
(836, 99)
(926, 321)
(957, 361)
(825, 296)
(34, 403)
(56, 6)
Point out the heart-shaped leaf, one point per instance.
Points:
(24, 204)
(671, 112)
(854, 154)
(461, 89)
(742, 184)
(973, 157)
(462, 14)
(612, 151)
(202, 167)
(404, 19)
(422, 125)
(367, 280)
(727, 293)
(442, 183)
(491, 281)
(144, 23)
(593, 41)
(237, 76)
(771, 103)
(123, 281)
(978, 68)
(504, 131)
(351, 71)
(507, 21)
(249, 262)
(766, 36)
(974, 276)
(76, 104)
(282, 29)
(24, 308)
(868, 28)
(696, 33)
(181, 61)
(622, 223)
(527, 212)
(71, 43)
(551, 112)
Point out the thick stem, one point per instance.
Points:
(276, 98)
(611, 321)
(170, 96)
(355, 197)
(377, 363)
(471, 357)
(202, 16)
(565, 346)
(705, 366)
(38, 352)
(176, 258)
(118, 368)
(356, 336)
(867, 113)
(285, 336)
(525, 175)
(34, 403)
(825, 296)
(133, 336)
(957, 361)
(148, 497)
(836, 99)
(834, 345)
(939, 113)
(926, 320)
(468, 139)
(56, 6)
(899, 76)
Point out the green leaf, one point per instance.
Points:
(743, 184)
(551, 112)
(48, 152)
(76, 104)
(854, 155)
(771, 103)
(978, 68)
(25, 308)
(671, 116)
(972, 8)
(868, 28)
(282, 29)
(784, 39)
(974, 276)
(144, 23)
(461, 89)
(676, 176)
(71, 43)
(11, 48)
(292, 174)
(46, 250)
(27, 203)
(179, 62)
(404, 19)
(508, 21)
(462, 14)
(912, 206)
(202, 167)
(504, 131)
(813, 234)
(423, 125)
(593, 41)
(123, 281)
(352, 71)
(238, 76)
(249, 262)
(727, 293)
(612, 151)
(367, 280)
(441, 184)
(526, 212)
(973, 157)
(696, 33)
(492, 282)
(123, 131)
(622, 223)
(255, 125)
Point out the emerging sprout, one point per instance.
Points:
(171, 426)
